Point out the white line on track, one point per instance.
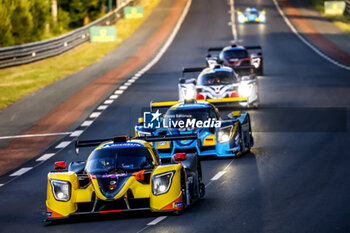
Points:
(292, 28)
(95, 114)
(127, 84)
(45, 157)
(118, 92)
(1, 185)
(109, 101)
(135, 78)
(102, 107)
(233, 21)
(63, 144)
(218, 175)
(86, 123)
(131, 80)
(123, 87)
(21, 171)
(157, 220)
(114, 97)
(34, 135)
(76, 133)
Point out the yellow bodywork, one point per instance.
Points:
(209, 140)
(60, 209)
(163, 145)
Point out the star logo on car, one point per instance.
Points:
(156, 115)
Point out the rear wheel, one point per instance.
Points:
(201, 190)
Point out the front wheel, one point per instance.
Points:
(184, 194)
(240, 144)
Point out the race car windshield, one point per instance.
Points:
(184, 115)
(217, 78)
(251, 13)
(236, 53)
(118, 160)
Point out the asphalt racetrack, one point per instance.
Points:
(296, 179)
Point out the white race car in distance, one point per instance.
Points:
(219, 82)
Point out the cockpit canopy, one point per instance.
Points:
(217, 78)
(234, 53)
(112, 160)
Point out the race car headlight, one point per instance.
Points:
(224, 134)
(245, 90)
(262, 17)
(255, 62)
(241, 18)
(189, 93)
(61, 189)
(161, 183)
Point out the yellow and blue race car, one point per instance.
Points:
(251, 15)
(218, 137)
(124, 174)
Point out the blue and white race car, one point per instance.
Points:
(219, 82)
(223, 138)
(251, 15)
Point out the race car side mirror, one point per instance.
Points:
(182, 80)
(209, 56)
(60, 165)
(234, 114)
(259, 54)
(140, 120)
(179, 157)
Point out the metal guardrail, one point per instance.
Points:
(31, 52)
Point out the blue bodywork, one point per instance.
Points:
(207, 143)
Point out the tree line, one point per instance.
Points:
(24, 21)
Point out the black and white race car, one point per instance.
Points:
(238, 56)
(219, 82)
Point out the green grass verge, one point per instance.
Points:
(342, 21)
(17, 82)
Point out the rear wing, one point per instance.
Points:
(168, 137)
(216, 102)
(244, 70)
(121, 139)
(256, 47)
(215, 49)
(192, 70)
(239, 69)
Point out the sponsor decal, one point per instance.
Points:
(153, 120)
(100, 34)
(113, 182)
(133, 12)
(49, 214)
(129, 144)
(178, 204)
(114, 175)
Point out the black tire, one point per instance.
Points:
(184, 192)
(201, 190)
(240, 152)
